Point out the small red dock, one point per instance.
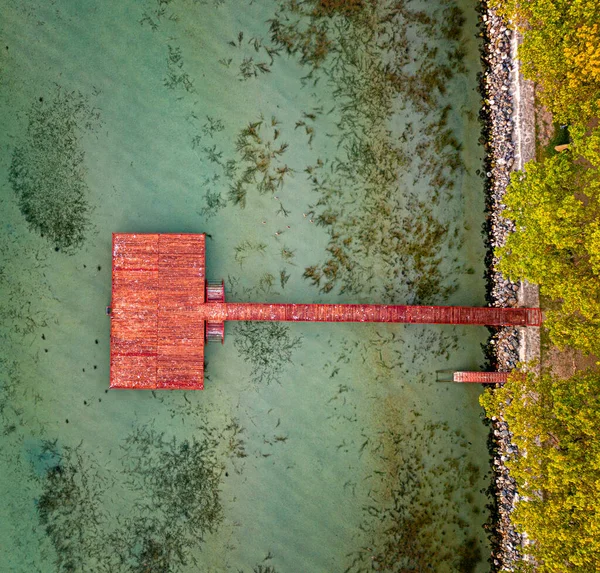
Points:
(163, 310)
(481, 377)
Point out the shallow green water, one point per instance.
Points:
(313, 447)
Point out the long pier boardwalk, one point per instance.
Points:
(485, 316)
(163, 311)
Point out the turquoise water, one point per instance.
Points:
(331, 155)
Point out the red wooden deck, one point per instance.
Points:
(486, 316)
(481, 377)
(159, 312)
(157, 334)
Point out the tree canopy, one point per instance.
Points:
(561, 52)
(555, 206)
(556, 426)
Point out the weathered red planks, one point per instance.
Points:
(481, 377)
(219, 312)
(157, 333)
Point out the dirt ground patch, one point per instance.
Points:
(562, 363)
(544, 126)
(565, 363)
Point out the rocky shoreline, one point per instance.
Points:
(498, 137)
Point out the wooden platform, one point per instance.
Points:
(157, 333)
(481, 377)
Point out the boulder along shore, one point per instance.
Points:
(497, 85)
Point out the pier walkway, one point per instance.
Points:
(221, 312)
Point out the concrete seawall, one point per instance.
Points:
(523, 95)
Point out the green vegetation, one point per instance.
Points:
(561, 136)
(561, 52)
(557, 424)
(47, 171)
(555, 206)
(555, 203)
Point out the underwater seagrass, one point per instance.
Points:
(260, 154)
(376, 222)
(70, 507)
(47, 171)
(176, 76)
(415, 519)
(169, 499)
(181, 480)
(267, 346)
(177, 483)
(263, 569)
(23, 287)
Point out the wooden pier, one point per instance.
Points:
(481, 377)
(484, 316)
(163, 311)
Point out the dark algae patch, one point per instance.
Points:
(268, 347)
(47, 171)
(420, 503)
(384, 238)
(176, 501)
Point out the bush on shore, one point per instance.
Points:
(560, 52)
(556, 426)
(555, 205)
